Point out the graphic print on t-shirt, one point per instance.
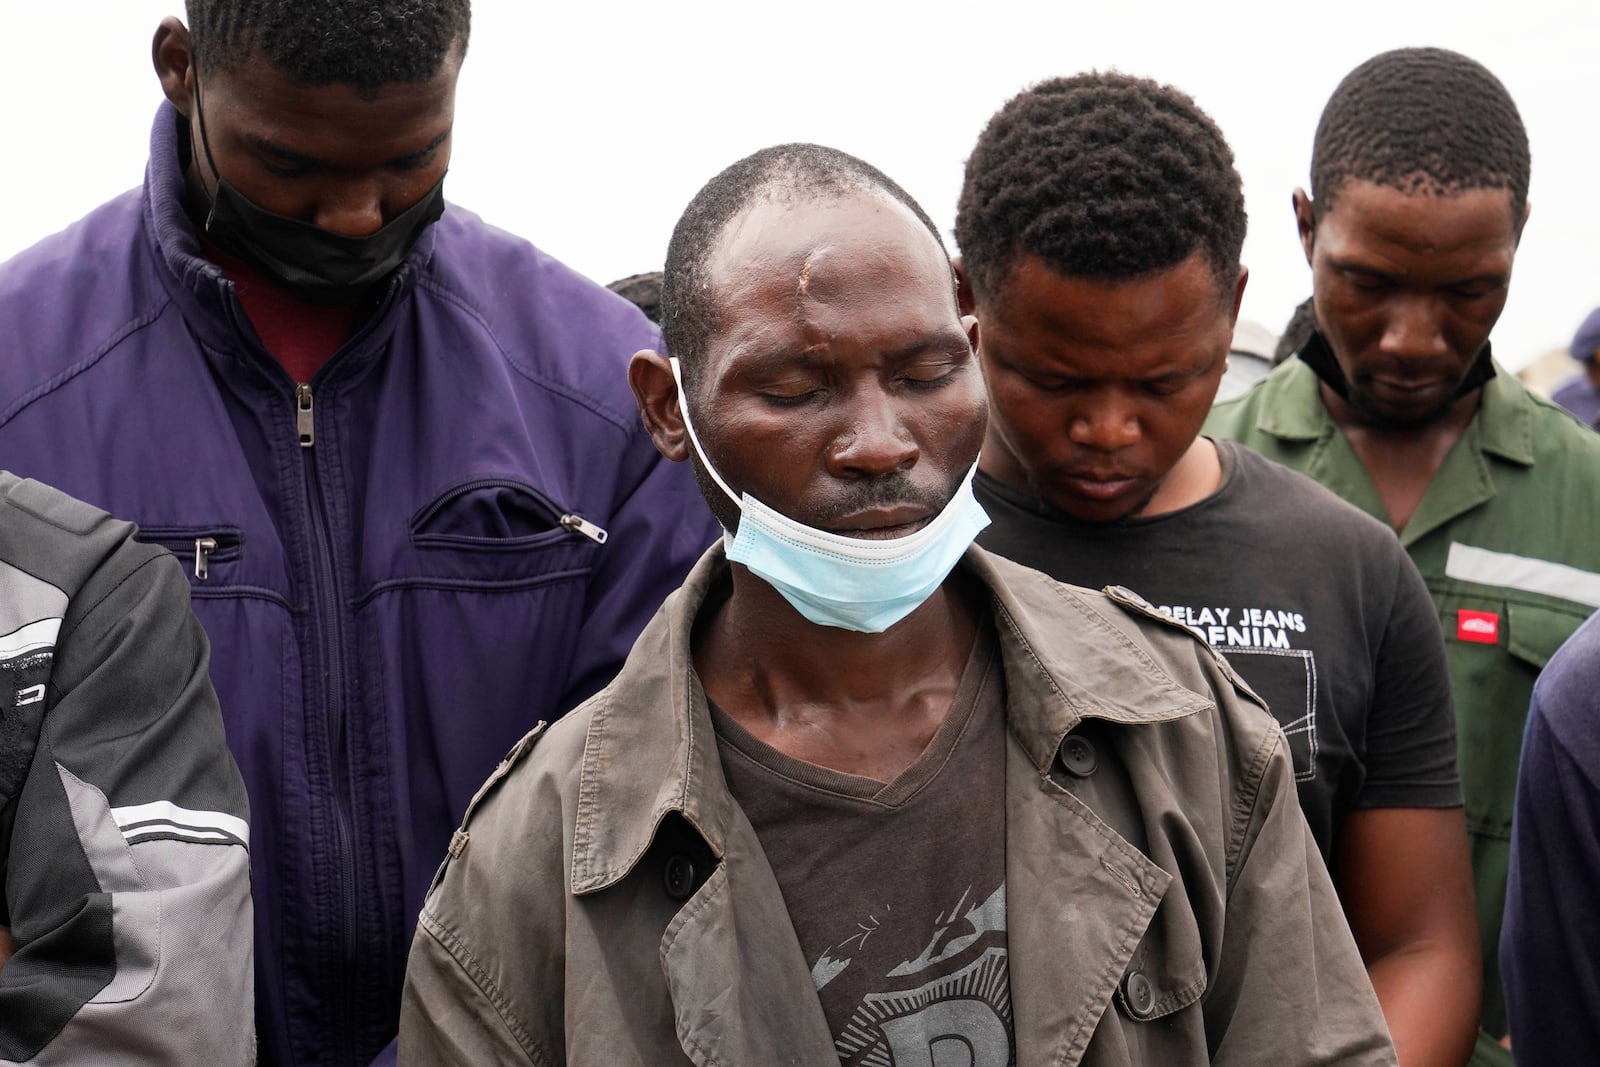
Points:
(896, 890)
(949, 1006)
(1281, 674)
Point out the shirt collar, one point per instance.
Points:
(1291, 408)
(1506, 418)
(651, 750)
(201, 284)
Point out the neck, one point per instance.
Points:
(1195, 477)
(1446, 426)
(763, 662)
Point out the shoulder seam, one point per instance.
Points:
(1249, 794)
(122, 333)
(444, 292)
(80, 617)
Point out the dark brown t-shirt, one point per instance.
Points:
(897, 890)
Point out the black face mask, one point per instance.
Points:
(317, 266)
(1317, 354)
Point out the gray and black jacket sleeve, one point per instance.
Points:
(123, 820)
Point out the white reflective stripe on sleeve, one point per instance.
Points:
(145, 818)
(1530, 575)
(30, 638)
(167, 829)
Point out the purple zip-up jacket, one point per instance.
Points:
(397, 566)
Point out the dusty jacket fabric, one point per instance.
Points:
(396, 586)
(123, 824)
(607, 903)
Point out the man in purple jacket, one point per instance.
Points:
(394, 448)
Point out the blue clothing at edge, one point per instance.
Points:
(389, 609)
(1578, 395)
(1550, 941)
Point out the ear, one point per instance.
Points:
(964, 298)
(1305, 220)
(1527, 209)
(173, 56)
(1238, 292)
(656, 392)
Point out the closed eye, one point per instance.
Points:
(929, 375)
(408, 164)
(1368, 283)
(422, 157)
(293, 171)
(1477, 290)
(791, 400)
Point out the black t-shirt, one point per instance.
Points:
(897, 890)
(1314, 603)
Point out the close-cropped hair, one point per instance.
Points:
(643, 291)
(362, 43)
(1423, 121)
(1102, 176)
(786, 173)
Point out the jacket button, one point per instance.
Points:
(1077, 756)
(1140, 993)
(679, 878)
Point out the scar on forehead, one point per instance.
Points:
(805, 270)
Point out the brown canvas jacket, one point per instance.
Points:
(606, 903)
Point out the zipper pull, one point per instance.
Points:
(579, 524)
(203, 547)
(302, 415)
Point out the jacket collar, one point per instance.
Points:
(1291, 408)
(651, 750)
(1506, 418)
(202, 291)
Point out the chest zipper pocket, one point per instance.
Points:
(495, 514)
(199, 549)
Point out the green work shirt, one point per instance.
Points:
(1507, 538)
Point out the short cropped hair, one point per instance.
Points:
(643, 291)
(1421, 120)
(362, 43)
(790, 173)
(1102, 176)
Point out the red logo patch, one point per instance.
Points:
(1480, 626)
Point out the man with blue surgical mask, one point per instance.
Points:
(862, 792)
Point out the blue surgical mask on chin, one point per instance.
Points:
(847, 582)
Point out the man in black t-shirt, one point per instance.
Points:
(1100, 225)
(1312, 601)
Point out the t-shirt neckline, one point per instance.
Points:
(976, 676)
(1040, 509)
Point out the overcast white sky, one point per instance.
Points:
(587, 126)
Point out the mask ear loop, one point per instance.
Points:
(694, 439)
(205, 143)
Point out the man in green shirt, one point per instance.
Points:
(1420, 175)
